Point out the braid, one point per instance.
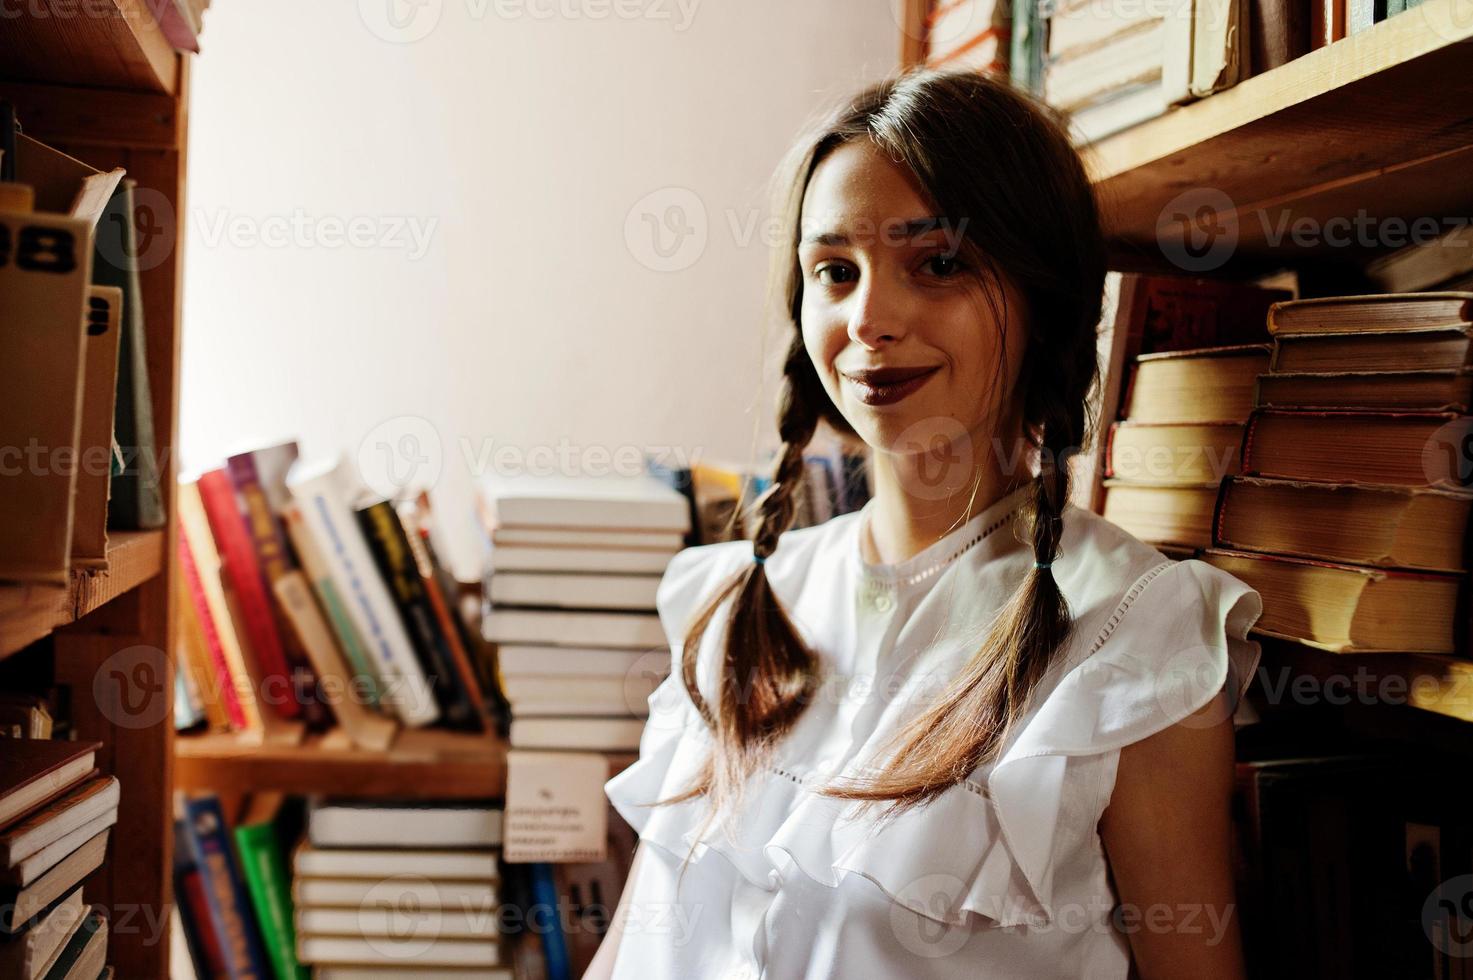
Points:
(797, 420)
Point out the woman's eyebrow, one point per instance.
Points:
(913, 228)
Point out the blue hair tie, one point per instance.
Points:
(1042, 564)
(759, 559)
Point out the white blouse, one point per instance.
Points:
(1003, 874)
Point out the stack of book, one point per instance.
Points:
(1351, 515)
(1180, 367)
(1185, 413)
(1111, 66)
(306, 600)
(570, 603)
(56, 811)
(397, 885)
(233, 904)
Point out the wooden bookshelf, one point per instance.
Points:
(99, 81)
(1377, 121)
(114, 44)
(423, 764)
(30, 612)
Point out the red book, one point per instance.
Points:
(238, 556)
(195, 586)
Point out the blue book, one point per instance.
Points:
(545, 908)
(208, 839)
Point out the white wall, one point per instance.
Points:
(516, 143)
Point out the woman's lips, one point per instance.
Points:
(886, 386)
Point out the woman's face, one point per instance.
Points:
(899, 329)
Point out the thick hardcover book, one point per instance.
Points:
(82, 802)
(249, 584)
(321, 493)
(225, 893)
(390, 549)
(1393, 448)
(35, 770)
(19, 906)
(1375, 312)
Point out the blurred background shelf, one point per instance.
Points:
(30, 612)
(1378, 121)
(424, 764)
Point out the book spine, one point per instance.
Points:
(342, 546)
(269, 543)
(390, 549)
(224, 683)
(554, 943)
(440, 606)
(267, 880)
(224, 889)
(194, 909)
(364, 726)
(365, 675)
(244, 572)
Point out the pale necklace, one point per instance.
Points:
(880, 590)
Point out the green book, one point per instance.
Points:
(347, 634)
(269, 884)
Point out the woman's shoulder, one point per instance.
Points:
(1154, 640)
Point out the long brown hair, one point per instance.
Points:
(999, 166)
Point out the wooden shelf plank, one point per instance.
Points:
(29, 612)
(101, 44)
(421, 764)
(1377, 121)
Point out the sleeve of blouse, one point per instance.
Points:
(1177, 639)
(675, 739)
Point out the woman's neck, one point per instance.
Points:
(918, 499)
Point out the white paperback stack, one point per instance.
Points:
(570, 603)
(403, 885)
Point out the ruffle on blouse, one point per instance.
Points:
(1177, 638)
(915, 859)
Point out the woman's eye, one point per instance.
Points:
(840, 273)
(945, 266)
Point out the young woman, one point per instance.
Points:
(970, 730)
